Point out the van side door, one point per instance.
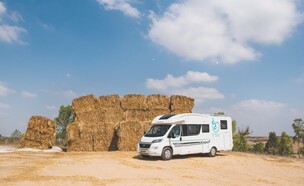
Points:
(191, 140)
(175, 139)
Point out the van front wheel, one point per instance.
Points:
(167, 153)
(212, 152)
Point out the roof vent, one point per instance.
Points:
(167, 116)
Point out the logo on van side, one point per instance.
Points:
(215, 126)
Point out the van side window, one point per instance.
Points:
(191, 130)
(176, 130)
(224, 124)
(185, 131)
(194, 129)
(205, 128)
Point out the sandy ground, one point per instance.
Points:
(126, 168)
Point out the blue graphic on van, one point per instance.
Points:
(215, 126)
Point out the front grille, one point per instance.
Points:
(144, 145)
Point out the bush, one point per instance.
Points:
(258, 148)
(285, 145)
(302, 151)
(271, 146)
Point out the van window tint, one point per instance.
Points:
(185, 130)
(224, 124)
(205, 128)
(176, 130)
(191, 130)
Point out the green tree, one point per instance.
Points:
(219, 114)
(234, 126)
(65, 117)
(285, 144)
(271, 146)
(298, 128)
(239, 140)
(16, 134)
(258, 148)
(302, 151)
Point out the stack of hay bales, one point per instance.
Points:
(114, 122)
(181, 104)
(95, 124)
(40, 133)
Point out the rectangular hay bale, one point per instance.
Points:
(144, 115)
(158, 102)
(110, 102)
(90, 137)
(134, 102)
(181, 103)
(129, 134)
(85, 104)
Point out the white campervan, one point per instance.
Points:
(190, 133)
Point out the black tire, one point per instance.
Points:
(167, 153)
(212, 152)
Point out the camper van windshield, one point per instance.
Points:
(157, 130)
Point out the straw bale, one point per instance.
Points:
(40, 133)
(134, 102)
(129, 134)
(90, 137)
(158, 102)
(110, 102)
(145, 126)
(181, 103)
(85, 103)
(114, 115)
(144, 115)
(73, 135)
(180, 111)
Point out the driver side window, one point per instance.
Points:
(176, 130)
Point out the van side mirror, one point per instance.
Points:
(172, 135)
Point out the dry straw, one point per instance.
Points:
(181, 103)
(110, 102)
(158, 102)
(94, 129)
(134, 102)
(40, 133)
(129, 134)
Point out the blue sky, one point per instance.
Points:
(244, 58)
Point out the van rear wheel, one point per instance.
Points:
(212, 152)
(167, 153)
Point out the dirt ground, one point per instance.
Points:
(126, 168)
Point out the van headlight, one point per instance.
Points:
(157, 140)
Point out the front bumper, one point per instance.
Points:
(153, 150)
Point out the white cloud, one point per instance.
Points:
(209, 29)
(121, 5)
(4, 91)
(27, 94)
(262, 116)
(10, 33)
(177, 82)
(258, 105)
(51, 107)
(4, 105)
(68, 94)
(47, 27)
(199, 93)
(2, 9)
(183, 85)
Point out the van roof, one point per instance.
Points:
(178, 118)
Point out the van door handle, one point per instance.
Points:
(180, 139)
